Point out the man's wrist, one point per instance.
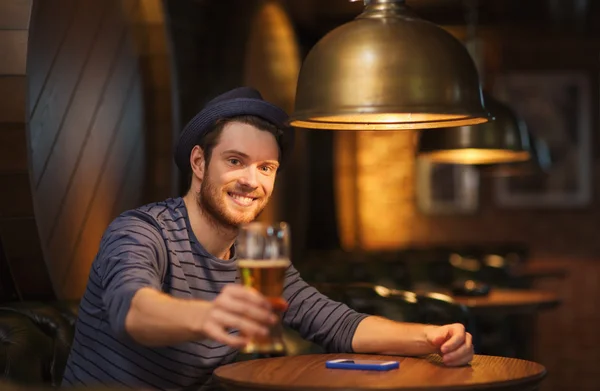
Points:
(428, 331)
(197, 312)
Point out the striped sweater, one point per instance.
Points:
(154, 246)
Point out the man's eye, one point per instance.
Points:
(267, 169)
(234, 161)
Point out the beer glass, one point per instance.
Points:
(262, 258)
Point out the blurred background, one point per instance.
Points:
(93, 95)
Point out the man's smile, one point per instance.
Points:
(241, 199)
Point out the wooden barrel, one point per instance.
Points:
(92, 139)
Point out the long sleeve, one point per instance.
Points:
(131, 256)
(317, 318)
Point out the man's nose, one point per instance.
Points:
(249, 177)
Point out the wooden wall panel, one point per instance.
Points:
(83, 111)
(47, 35)
(73, 155)
(92, 123)
(57, 95)
(96, 104)
(69, 219)
(119, 163)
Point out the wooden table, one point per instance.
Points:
(540, 270)
(510, 301)
(308, 372)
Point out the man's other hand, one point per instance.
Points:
(452, 342)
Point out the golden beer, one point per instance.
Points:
(267, 277)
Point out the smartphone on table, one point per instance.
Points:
(365, 365)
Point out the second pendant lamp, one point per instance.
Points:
(501, 140)
(538, 164)
(504, 139)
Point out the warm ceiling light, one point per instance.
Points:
(388, 70)
(539, 162)
(501, 140)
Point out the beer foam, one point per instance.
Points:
(263, 263)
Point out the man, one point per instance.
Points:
(162, 308)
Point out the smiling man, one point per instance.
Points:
(163, 308)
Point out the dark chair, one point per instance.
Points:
(371, 299)
(493, 265)
(35, 341)
(393, 273)
(498, 270)
(439, 309)
(400, 305)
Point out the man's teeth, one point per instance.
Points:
(243, 199)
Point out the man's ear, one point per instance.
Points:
(197, 161)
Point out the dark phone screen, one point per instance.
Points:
(363, 362)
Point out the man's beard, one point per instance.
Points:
(211, 203)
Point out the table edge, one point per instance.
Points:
(503, 385)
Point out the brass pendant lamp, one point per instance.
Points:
(504, 139)
(386, 70)
(538, 163)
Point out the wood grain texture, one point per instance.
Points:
(115, 165)
(500, 299)
(76, 125)
(58, 95)
(308, 372)
(510, 301)
(46, 35)
(91, 119)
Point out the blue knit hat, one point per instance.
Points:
(239, 101)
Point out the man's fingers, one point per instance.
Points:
(457, 338)
(439, 339)
(244, 309)
(242, 293)
(224, 337)
(462, 355)
(257, 313)
(246, 326)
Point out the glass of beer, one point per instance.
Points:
(262, 258)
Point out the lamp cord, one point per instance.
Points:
(471, 42)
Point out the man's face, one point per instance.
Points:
(239, 180)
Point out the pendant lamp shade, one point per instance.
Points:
(388, 70)
(539, 162)
(504, 139)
